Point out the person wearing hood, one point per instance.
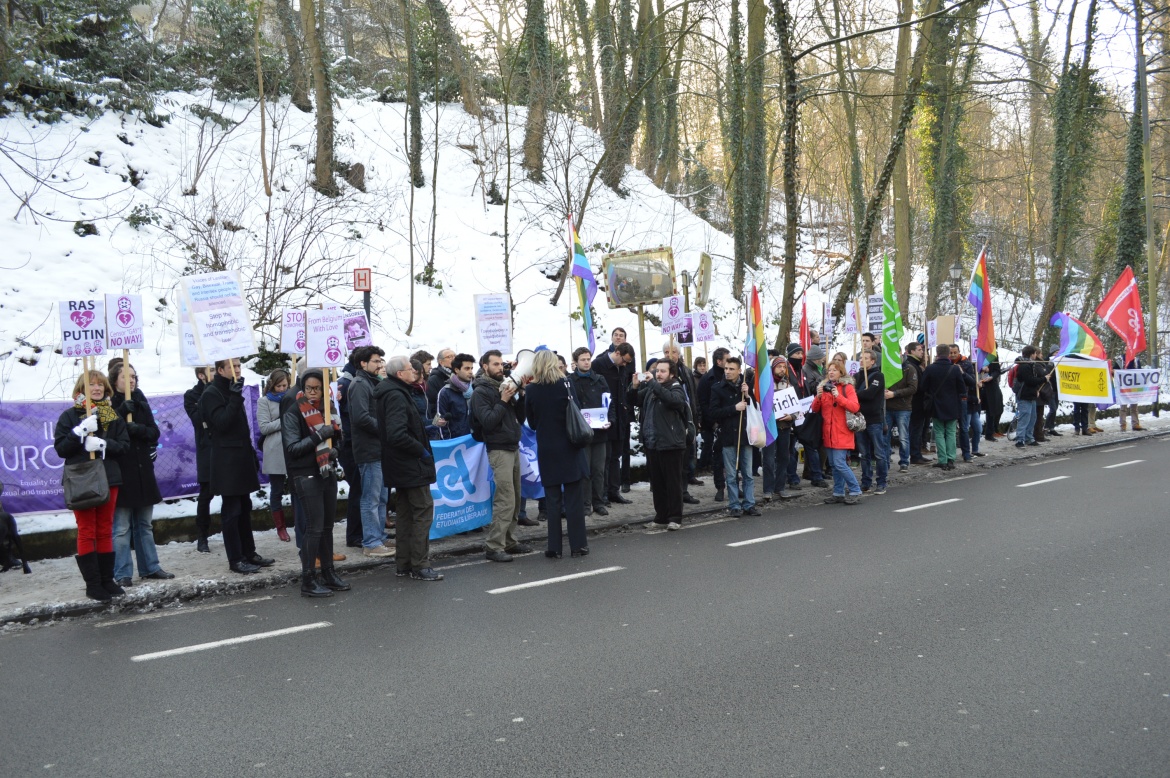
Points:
(453, 398)
(311, 455)
(590, 389)
(497, 411)
(268, 417)
(776, 455)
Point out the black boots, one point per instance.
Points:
(310, 587)
(88, 565)
(106, 571)
(330, 580)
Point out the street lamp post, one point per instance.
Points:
(956, 274)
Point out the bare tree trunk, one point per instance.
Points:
(323, 165)
(589, 76)
(453, 48)
(289, 29)
(413, 100)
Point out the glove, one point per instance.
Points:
(88, 424)
(321, 433)
(426, 458)
(136, 430)
(237, 386)
(97, 445)
(129, 407)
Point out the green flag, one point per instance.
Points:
(892, 331)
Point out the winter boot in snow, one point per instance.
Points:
(106, 569)
(87, 564)
(278, 520)
(310, 587)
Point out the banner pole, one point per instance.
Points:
(327, 398)
(86, 367)
(126, 380)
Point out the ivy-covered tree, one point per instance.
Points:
(1131, 214)
(539, 76)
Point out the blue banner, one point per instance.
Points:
(463, 488)
(530, 486)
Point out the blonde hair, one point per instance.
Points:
(85, 379)
(546, 368)
(841, 371)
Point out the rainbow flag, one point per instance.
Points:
(980, 298)
(586, 283)
(755, 355)
(1076, 337)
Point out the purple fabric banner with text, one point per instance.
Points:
(31, 470)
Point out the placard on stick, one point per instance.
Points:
(493, 322)
(325, 338)
(704, 327)
(292, 331)
(219, 314)
(189, 354)
(83, 328)
(125, 326)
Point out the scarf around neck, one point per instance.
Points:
(314, 419)
(105, 412)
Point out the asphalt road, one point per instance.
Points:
(1019, 631)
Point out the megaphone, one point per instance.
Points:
(522, 368)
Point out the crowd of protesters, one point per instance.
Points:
(375, 432)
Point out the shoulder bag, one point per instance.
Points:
(579, 432)
(85, 484)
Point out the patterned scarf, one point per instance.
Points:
(105, 412)
(314, 419)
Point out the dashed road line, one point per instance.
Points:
(928, 505)
(1118, 448)
(1048, 461)
(179, 612)
(230, 641)
(558, 579)
(1123, 464)
(1045, 481)
(772, 537)
(961, 478)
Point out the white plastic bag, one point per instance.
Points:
(755, 426)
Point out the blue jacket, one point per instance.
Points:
(453, 407)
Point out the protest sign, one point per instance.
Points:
(219, 315)
(686, 336)
(827, 323)
(1083, 380)
(785, 402)
(597, 418)
(325, 338)
(357, 331)
(189, 355)
(83, 328)
(1137, 386)
(875, 314)
(493, 322)
(851, 317)
(853, 367)
(673, 316)
(125, 327)
(292, 331)
(463, 487)
(704, 328)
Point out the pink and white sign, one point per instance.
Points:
(125, 327)
(292, 331)
(704, 326)
(673, 318)
(325, 338)
(83, 328)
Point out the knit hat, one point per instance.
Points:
(815, 353)
(792, 349)
(778, 361)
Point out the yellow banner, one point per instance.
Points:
(1084, 381)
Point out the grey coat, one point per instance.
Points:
(364, 426)
(268, 416)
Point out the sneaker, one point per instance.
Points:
(520, 548)
(672, 526)
(903, 468)
(1019, 444)
(866, 489)
(752, 511)
(426, 574)
(402, 572)
(852, 499)
(836, 498)
(735, 513)
(378, 552)
(821, 484)
(880, 490)
(498, 556)
(795, 488)
(978, 454)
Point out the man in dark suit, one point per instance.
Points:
(616, 368)
(202, 457)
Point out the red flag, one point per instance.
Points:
(1122, 311)
(805, 337)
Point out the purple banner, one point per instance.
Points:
(31, 470)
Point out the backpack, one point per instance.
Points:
(11, 549)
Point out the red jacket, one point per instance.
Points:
(836, 432)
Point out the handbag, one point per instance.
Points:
(811, 433)
(85, 484)
(579, 432)
(756, 436)
(855, 422)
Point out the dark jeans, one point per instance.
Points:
(919, 423)
(613, 478)
(1053, 407)
(353, 505)
(595, 495)
(776, 462)
(412, 538)
(993, 407)
(569, 498)
(203, 510)
(666, 484)
(317, 496)
(965, 432)
(875, 452)
(714, 453)
(236, 519)
(1080, 416)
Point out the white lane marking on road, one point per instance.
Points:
(1045, 481)
(961, 478)
(1049, 461)
(180, 612)
(230, 641)
(464, 564)
(1118, 448)
(773, 537)
(1123, 464)
(928, 505)
(558, 579)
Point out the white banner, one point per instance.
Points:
(219, 313)
(785, 402)
(1137, 386)
(704, 326)
(673, 318)
(292, 332)
(325, 338)
(125, 325)
(83, 328)
(493, 322)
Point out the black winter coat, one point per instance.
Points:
(944, 385)
(905, 388)
(721, 410)
(560, 461)
(969, 378)
(618, 380)
(435, 382)
(300, 447)
(589, 388)
(139, 486)
(365, 442)
(70, 448)
(920, 369)
(871, 396)
(499, 422)
(234, 465)
(1030, 376)
(709, 379)
(664, 413)
(426, 410)
(407, 459)
(202, 437)
(686, 379)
